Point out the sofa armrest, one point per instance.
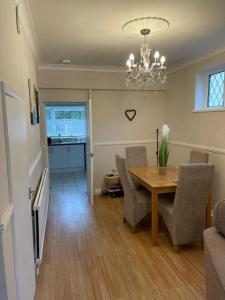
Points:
(214, 246)
(219, 217)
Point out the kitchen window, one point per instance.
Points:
(65, 120)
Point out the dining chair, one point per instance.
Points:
(185, 214)
(197, 157)
(136, 156)
(137, 203)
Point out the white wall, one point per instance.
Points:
(110, 99)
(113, 132)
(17, 64)
(203, 130)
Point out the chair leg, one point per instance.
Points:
(176, 248)
(133, 229)
(124, 220)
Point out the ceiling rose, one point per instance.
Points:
(155, 24)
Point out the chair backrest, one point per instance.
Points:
(197, 157)
(128, 187)
(123, 173)
(194, 186)
(136, 156)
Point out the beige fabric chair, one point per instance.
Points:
(136, 157)
(185, 214)
(214, 248)
(137, 204)
(197, 157)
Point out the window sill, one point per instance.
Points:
(205, 110)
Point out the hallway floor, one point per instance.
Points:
(68, 182)
(90, 253)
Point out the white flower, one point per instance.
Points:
(165, 130)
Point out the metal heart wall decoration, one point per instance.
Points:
(130, 114)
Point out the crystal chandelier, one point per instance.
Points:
(148, 73)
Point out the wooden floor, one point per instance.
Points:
(91, 254)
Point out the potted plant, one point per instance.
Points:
(164, 150)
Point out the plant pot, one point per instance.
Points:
(162, 170)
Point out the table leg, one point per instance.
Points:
(208, 212)
(154, 216)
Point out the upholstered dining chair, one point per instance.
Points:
(137, 203)
(185, 214)
(136, 156)
(197, 157)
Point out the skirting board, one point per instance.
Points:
(97, 191)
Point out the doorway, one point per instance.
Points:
(66, 137)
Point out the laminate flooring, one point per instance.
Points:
(90, 253)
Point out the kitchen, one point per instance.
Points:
(66, 133)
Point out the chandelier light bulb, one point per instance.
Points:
(162, 60)
(128, 63)
(131, 57)
(156, 55)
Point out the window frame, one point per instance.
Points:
(208, 89)
(202, 90)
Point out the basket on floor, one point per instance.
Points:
(112, 179)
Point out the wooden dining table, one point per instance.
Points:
(150, 178)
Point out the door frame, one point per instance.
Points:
(44, 103)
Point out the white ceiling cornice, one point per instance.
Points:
(29, 29)
(171, 69)
(62, 67)
(194, 60)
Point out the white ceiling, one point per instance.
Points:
(89, 31)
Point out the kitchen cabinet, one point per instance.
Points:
(60, 157)
(66, 157)
(76, 156)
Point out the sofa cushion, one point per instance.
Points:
(219, 217)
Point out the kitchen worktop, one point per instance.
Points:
(67, 144)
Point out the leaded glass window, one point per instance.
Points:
(216, 90)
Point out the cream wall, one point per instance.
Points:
(202, 130)
(80, 80)
(17, 64)
(112, 131)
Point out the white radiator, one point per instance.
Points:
(40, 213)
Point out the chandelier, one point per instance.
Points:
(149, 72)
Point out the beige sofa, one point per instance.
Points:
(214, 247)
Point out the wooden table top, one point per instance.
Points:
(150, 178)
